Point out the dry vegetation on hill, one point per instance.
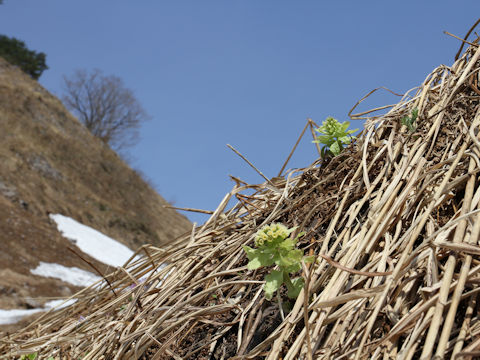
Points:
(49, 163)
(53, 164)
(394, 221)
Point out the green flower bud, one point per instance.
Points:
(271, 232)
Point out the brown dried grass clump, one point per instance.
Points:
(394, 221)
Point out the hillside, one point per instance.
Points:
(49, 163)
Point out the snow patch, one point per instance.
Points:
(93, 242)
(71, 275)
(15, 315)
(59, 304)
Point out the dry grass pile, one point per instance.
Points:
(394, 221)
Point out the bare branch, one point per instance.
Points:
(103, 104)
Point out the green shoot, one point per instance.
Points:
(32, 356)
(409, 121)
(273, 246)
(334, 135)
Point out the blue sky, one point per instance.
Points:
(243, 72)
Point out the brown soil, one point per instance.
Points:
(49, 163)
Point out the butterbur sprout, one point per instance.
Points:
(334, 135)
(275, 248)
(271, 232)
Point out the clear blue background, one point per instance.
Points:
(243, 72)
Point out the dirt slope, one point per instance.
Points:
(49, 163)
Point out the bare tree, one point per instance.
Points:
(108, 109)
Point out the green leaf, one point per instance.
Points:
(335, 148)
(250, 252)
(264, 256)
(288, 258)
(414, 114)
(294, 291)
(327, 140)
(309, 259)
(254, 256)
(292, 230)
(32, 356)
(273, 281)
(345, 139)
(254, 264)
(296, 255)
(345, 126)
(284, 260)
(323, 152)
(293, 268)
(299, 236)
(288, 244)
(291, 261)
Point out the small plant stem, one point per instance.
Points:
(188, 209)
(294, 147)
(249, 163)
(314, 137)
(94, 268)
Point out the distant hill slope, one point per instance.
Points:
(50, 163)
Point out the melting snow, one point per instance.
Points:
(15, 315)
(72, 275)
(93, 242)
